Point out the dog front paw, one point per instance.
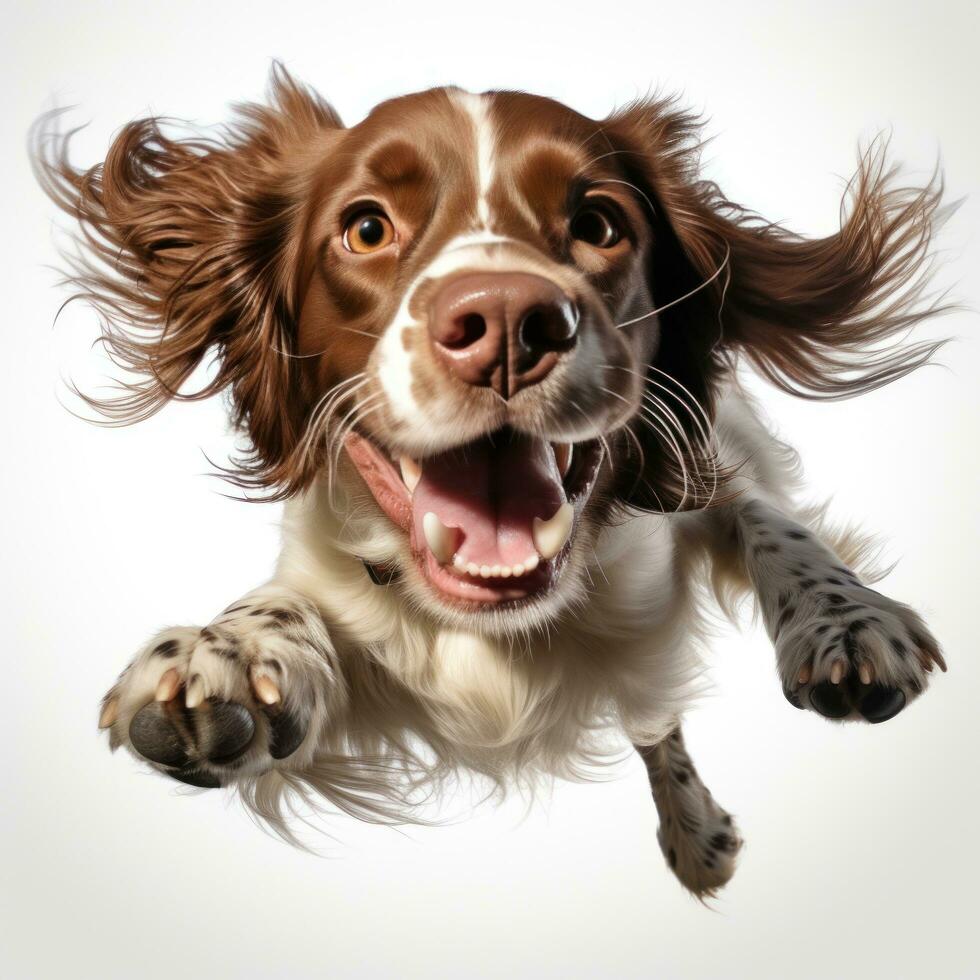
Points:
(848, 652)
(237, 698)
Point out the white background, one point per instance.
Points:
(862, 847)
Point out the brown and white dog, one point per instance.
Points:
(485, 348)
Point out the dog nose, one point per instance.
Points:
(502, 330)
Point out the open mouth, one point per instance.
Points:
(490, 521)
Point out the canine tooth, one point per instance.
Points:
(411, 472)
(167, 686)
(109, 713)
(530, 564)
(473, 569)
(440, 539)
(563, 456)
(550, 535)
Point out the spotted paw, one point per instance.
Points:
(240, 697)
(848, 652)
(698, 838)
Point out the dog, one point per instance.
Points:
(486, 351)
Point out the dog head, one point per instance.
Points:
(492, 250)
(503, 319)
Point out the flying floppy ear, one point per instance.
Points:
(188, 245)
(817, 317)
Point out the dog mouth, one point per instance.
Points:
(491, 521)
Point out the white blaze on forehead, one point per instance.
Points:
(394, 363)
(476, 107)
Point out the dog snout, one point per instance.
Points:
(503, 331)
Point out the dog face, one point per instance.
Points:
(475, 257)
(502, 319)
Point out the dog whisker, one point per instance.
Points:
(680, 299)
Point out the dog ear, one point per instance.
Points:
(189, 245)
(819, 318)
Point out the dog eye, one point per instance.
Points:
(596, 227)
(368, 231)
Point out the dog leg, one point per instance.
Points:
(248, 693)
(698, 838)
(842, 649)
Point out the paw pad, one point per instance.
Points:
(881, 703)
(859, 655)
(875, 702)
(182, 739)
(830, 700)
(209, 697)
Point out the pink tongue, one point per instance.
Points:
(491, 491)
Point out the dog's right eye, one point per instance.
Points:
(595, 226)
(368, 231)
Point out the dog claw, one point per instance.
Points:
(837, 672)
(865, 673)
(804, 675)
(265, 689)
(109, 713)
(195, 691)
(168, 686)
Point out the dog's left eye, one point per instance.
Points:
(596, 227)
(368, 231)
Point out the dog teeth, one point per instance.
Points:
(411, 472)
(563, 457)
(496, 571)
(440, 539)
(550, 535)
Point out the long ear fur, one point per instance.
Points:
(820, 318)
(191, 244)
